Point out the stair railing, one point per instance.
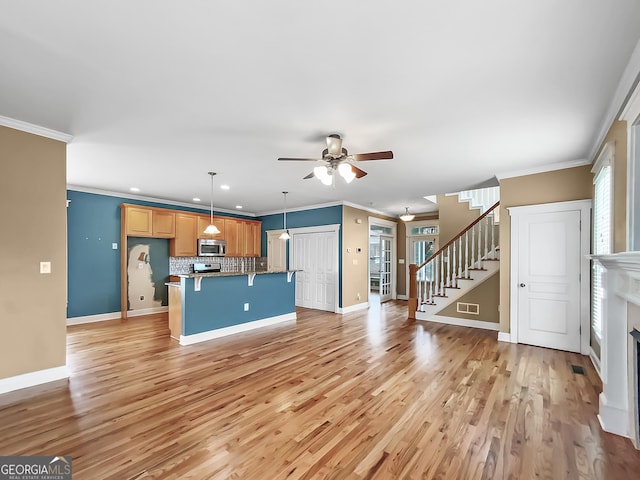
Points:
(454, 261)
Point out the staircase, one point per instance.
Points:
(458, 267)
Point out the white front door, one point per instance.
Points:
(548, 279)
(315, 255)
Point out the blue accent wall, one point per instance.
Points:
(220, 301)
(93, 224)
(307, 218)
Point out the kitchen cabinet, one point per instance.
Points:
(164, 224)
(251, 238)
(138, 221)
(234, 235)
(203, 222)
(185, 242)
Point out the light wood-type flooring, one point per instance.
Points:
(367, 395)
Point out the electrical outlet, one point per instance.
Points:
(246, 307)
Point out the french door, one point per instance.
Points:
(386, 243)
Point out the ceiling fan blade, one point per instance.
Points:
(359, 173)
(361, 157)
(299, 159)
(311, 175)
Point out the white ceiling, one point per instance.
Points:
(158, 93)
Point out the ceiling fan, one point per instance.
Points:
(337, 159)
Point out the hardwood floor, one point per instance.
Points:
(367, 395)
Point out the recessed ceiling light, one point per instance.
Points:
(196, 199)
(224, 187)
(134, 189)
(238, 206)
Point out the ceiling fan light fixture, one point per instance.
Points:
(346, 171)
(406, 216)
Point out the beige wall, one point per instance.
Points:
(454, 216)
(486, 295)
(557, 186)
(617, 135)
(355, 266)
(33, 212)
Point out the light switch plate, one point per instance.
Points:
(114, 246)
(45, 267)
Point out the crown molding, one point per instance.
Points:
(204, 208)
(543, 168)
(35, 129)
(324, 205)
(628, 82)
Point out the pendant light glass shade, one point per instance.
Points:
(406, 216)
(211, 229)
(285, 235)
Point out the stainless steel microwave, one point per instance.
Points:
(211, 248)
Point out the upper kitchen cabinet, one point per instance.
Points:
(138, 221)
(164, 224)
(234, 235)
(203, 222)
(185, 242)
(251, 238)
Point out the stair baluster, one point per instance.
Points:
(459, 257)
(466, 254)
(479, 265)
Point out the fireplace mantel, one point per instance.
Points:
(618, 407)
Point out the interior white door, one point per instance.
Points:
(385, 268)
(548, 282)
(314, 254)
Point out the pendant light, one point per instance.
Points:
(406, 216)
(285, 235)
(211, 229)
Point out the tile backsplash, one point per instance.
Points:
(184, 265)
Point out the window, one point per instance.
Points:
(601, 231)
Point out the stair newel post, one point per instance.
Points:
(413, 294)
(459, 257)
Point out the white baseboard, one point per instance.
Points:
(461, 322)
(147, 311)
(93, 318)
(612, 418)
(233, 329)
(102, 317)
(32, 379)
(353, 308)
(595, 361)
(504, 337)
(402, 297)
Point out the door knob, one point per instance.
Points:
(523, 285)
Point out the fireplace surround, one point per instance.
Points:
(618, 410)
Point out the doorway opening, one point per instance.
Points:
(382, 253)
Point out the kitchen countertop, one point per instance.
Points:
(232, 274)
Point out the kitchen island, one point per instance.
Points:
(203, 306)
